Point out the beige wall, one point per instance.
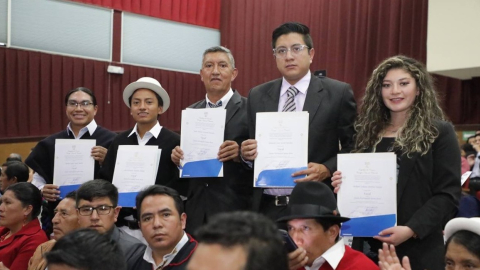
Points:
(22, 148)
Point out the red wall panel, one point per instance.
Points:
(198, 12)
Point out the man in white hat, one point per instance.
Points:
(146, 99)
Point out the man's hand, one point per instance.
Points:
(177, 155)
(98, 153)
(388, 259)
(50, 192)
(315, 172)
(228, 151)
(395, 235)
(297, 259)
(249, 149)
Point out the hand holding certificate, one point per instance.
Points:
(202, 135)
(136, 168)
(73, 164)
(282, 146)
(368, 194)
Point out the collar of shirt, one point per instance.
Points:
(225, 99)
(154, 132)
(90, 128)
(167, 259)
(333, 256)
(301, 85)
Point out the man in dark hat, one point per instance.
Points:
(314, 224)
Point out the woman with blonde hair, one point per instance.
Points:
(401, 114)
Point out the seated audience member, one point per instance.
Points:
(13, 172)
(314, 224)
(97, 209)
(20, 233)
(85, 249)
(462, 248)
(65, 220)
(239, 240)
(14, 157)
(162, 222)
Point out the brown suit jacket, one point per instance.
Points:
(37, 262)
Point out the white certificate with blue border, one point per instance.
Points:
(135, 169)
(368, 193)
(282, 147)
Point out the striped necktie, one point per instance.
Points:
(289, 105)
(215, 105)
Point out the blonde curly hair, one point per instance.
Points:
(419, 131)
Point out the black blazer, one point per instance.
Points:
(428, 191)
(332, 111)
(211, 195)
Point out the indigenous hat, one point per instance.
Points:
(312, 200)
(147, 83)
(460, 224)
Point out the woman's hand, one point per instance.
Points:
(388, 259)
(336, 181)
(395, 235)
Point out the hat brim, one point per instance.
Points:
(459, 224)
(304, 216)
(128, 92)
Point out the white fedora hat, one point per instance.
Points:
(147, 83)
(459, 224)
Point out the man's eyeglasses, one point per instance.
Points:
(83, 104)
(101, 210)
(281, 52)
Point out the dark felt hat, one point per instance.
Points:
(312, 200)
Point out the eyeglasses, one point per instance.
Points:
(83, 104)
(101, 210)
(281, 52)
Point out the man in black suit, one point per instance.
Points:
(212, 195)
(330, 104)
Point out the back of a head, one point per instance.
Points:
(97, 188)
(17, 169)
(14, 157)
(86, 249)
(257, 234)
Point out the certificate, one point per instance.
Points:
(202, 134)
(135, 169)
(368, 194)
(282, 147)
(73, 164)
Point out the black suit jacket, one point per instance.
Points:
(332, 111)
(211, 195)
(428, 191)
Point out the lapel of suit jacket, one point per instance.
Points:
(200, 105)
(314, 97)
(273, 96)
(406, 166)
(232, 106)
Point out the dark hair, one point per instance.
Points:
(16, 169)
(83, 89)
(14, 157)
(71, 195)
(222, 49)
(87, 249)
(97, 188)
(292, 27)
(469, 240)
(257, 234)
(327, 223)
(28, 194)
(159, 99)
(159, 190)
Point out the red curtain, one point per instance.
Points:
(34, 84)
(198, 12)
(350, 38)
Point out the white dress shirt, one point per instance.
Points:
(154, 132)
(333, 256)
(167, 259)
(225, 99)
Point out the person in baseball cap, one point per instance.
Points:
(314, 223)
